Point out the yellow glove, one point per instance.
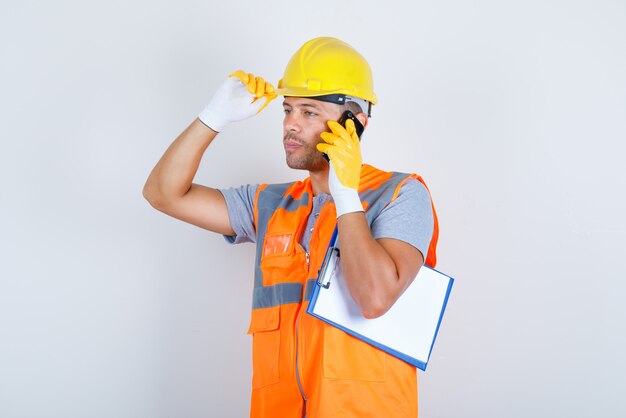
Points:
(238, 98)
(344, 151)
(256, 86)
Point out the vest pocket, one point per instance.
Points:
(265, 330)
(283, 260)
(347, 357)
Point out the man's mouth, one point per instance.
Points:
(290, 143)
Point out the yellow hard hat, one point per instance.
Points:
(327, 66)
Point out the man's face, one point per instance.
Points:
(305, 119)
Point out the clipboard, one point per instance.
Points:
(407, 331)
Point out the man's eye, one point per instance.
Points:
(286, 110)
(310, 113)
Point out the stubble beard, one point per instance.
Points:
(306, 158)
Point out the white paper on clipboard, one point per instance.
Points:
(407, 331)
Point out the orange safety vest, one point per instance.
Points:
(301, 365)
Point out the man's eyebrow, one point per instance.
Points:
(308, 105)
(314, 106)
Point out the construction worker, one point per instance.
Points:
(387, 229)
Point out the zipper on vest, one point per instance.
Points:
(297, 333)
(306, 255)
(298, 367)
(308, 259)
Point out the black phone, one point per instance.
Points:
(342, 121)
(358, 125)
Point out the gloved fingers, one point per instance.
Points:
(338, 130)
(336, 140)
(329, 150)
(259, 88)
(347, 134)
(268, 98)
(339, 162)
(328, 137)
(339, 135)
(242, 76)
(350, 128)
(335, 153)
(321, 147)
(342, 146)
(270, 92)
(264, 90)
(249, 80)
(342, 156)
(251, 84)
(257, 104)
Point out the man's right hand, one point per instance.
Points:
(239, 97)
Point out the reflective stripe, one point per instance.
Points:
(279, 294)
(380, 197)
(308, 291)
(269, 200)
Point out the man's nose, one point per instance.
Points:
(291, 122)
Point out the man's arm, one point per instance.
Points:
(377, 272)
(169, 187)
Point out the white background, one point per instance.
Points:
(514, 113)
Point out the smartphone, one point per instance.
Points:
(349, 115)
(342, 121)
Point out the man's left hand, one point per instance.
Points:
(344, 150)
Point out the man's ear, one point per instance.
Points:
(362, 117)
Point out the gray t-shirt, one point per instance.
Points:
(408, 218)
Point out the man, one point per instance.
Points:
(386, 224)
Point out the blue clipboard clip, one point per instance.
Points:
(324, 279)
(331, 252)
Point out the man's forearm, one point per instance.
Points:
(173, 174)
(369, 271)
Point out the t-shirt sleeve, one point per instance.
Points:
(408, 218)
(240, 203)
